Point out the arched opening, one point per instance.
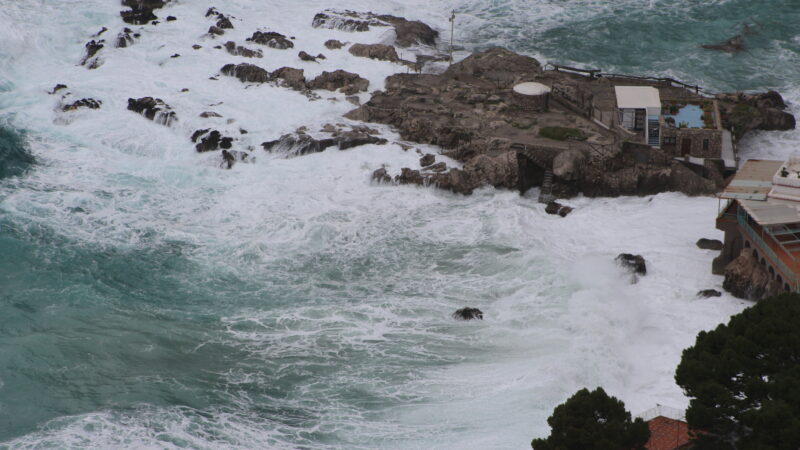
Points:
(771, 272)
(787, 288)
(746, 244)
(755, 254)
(780, 279)
(763, 262)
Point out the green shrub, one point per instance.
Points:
(562, 133)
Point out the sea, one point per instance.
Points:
(150, 299)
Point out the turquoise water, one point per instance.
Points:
(691, 115)
(148, 300)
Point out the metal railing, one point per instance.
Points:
(663, 411)
(789, 276)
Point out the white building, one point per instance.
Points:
(640, 110)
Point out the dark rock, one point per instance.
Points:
(427, 160)
(345, 21)
(333, 44)
(353, 99)
(247, 73)
(92, 47)
(242, 131)
(171, 18)
(238, 50)
(82, 103)
(354, 138)
(709, 244)
(196, 135)
(224, 23)
(320, 56)
(208, 114)
(230, 157)
(185, 90)
(176, 55)
(215, 31)
(556, 208)
(410, 176)
(349, 83)
(290, 77)
(102, 30)
(374, 51)
(57, 88)
(124, 38)
(212, 141)
(411, 32)
(744, 112)
(154, 109)
(271, 39)
(633, 263)
(197, 46)
(145, 4)
(706, 293)
(212, 12)
(407, 32)
(468, 314)
(381, 176)
(306, 57)
(138, 16)
(438, 167)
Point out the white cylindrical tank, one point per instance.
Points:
(531, 96)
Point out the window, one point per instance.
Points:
(670, 140)
(705, 144)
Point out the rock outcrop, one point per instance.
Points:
(291, 78)
(302, 144)
(745, 112)
(347, 82)
(374, 51)
(709, 244)
(635, 264)
(154, 109)
(271, 39)
(746, 278)
(89, 103)
(125, 38)
(407, 32)
(557, 209)
(708, 293)
(211, 140)
(90, 59)
(247, 73)
(333, 44)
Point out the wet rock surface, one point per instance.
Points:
(468, 313)
(374, 51)
(89, 103)
(348, 82)
(746, 278)
(558, 209)
(154, 109)
(709, 244)
(635, 264)
(708, 293)
(271, 39)
(333, 44)
(210, 140)
(90, 59)
(125, 38)
(408, 32)
(247, 73)
(745, 112)
(238, 50)
(301, 144)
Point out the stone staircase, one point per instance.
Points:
(546, 191)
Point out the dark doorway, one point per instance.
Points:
(686, 146)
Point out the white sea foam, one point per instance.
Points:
(368, 275)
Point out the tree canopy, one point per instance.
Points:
(593, 420)
(744, 379)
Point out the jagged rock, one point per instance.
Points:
(706, 293)
(212, 141)
(171, 18)
(291, 77)
(410, 176)
(82, 103)
(320, 56)
(709, 244)
(197, 46)
(353, 99)
(102, 30)
(746, 278)
(556, 208)
(124, 38)
(57, 88)
(231, 157)
(468, 314)
(333, 44)
(207, 114)
(247, 73)
(381, 176)
(176, 55)
(744, 112)
(374, 51)
(306, 57)
(154, 109)
(427, 160)
(635, 264)
(685, 180)
(271, 39)
(145, 4)
(92, 47)
(355, 138)
(138, 16)
(407, 32)
(212, 12)
(349, 83)
(224, 23)
(215, 31)
(238, 50)
(497, 65)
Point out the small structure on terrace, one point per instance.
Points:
(761, 221)
(639, 110)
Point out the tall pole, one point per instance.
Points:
(452, 27)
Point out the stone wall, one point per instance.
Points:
(697, 136)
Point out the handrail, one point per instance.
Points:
(788, 273)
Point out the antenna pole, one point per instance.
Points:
(452, 27)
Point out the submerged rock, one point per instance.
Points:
(732, 45)
(407, 32)
(333, 44)
(138, 16)
(271, 39)
(231, 157)
(381, 176)
(468, 313)
(211, 141)
(306, 57)
(302, 144)
(247, 73)
(290, 77)
(154, 109)
(125, 38)
(238, 50)
(427, 159)
(92, 47)
(57, 88)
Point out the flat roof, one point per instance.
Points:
(531, 88)
(753, 181)
(637, 97)
(772, 212)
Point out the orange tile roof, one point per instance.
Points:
(667, 434)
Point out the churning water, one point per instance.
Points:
(149, 299)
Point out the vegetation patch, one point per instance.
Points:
(562, 134)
